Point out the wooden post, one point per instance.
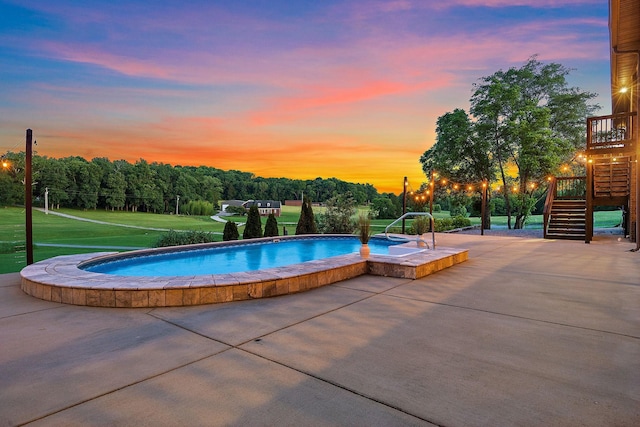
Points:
(404, 201)
(483, 207)
(28, 191)
(432, 186)
(588, 232)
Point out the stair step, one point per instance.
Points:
(565, 236)
(574, 212)
(571, 231)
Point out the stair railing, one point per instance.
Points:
(548, 204)
(419, 238)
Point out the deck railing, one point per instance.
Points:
(548, 203)
(570, 187)
(613, 133)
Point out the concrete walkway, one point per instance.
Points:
(527, 332)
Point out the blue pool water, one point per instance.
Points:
(236, 258)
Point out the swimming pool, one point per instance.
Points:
(234, 258)
(65, 279)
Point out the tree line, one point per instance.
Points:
(100, 183)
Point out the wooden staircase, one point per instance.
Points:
(567, 220)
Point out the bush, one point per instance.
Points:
(420, 225)
(460, 222)
(230, 231)
(271, 227)
(253, 227)
(236, 210)
(338, 216)
(458, 210)
(307, 222)
(198, 208)
(440, 224)
(8, 247)
(175, 238)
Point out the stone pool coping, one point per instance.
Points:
(60, 280)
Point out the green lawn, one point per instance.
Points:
(53, 229)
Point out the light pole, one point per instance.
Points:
(432, 186)
(27, 196)
(404, 201)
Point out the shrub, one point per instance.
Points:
(271, 227)
(338, 217)
(307, 222)
(178, 238)
(440, 224)
(236, 210)
(253, 227)
(421, 225)
(460, 222)
(198, 208)
(7, 247)
(230, 231)
(458, 210)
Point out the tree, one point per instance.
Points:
(53, 177)
(85, 179)
(338, 218)
(525, 119)
(116, 195)
(458, 154)
(253, 227)
(271, 227)
(383, 208)
(307, 222)
(230, 231)
(533, 121)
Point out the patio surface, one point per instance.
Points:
(527, 332)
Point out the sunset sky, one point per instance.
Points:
(280, 88)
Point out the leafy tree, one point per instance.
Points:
(142, 190)
(230, 231)
(338, 218)
(459, 156)
(307, 222)
(53, 177)
(271, 227)
(532, 120)
(253, 227)
(525, 119)
(384, 208)
(115, 191)
(85, 179)
(10, 191)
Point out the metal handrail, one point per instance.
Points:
(419, 238)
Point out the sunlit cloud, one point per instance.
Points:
(354, 85)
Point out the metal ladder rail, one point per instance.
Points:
(419, 238)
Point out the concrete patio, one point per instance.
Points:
(527, 332)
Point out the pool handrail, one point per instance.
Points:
(419, 238)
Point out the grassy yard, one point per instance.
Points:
(54, 229)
